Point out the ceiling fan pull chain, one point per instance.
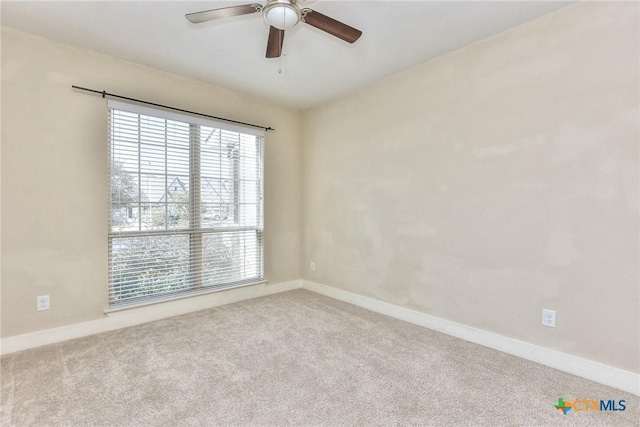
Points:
(280, 56)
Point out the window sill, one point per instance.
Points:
(183, 295)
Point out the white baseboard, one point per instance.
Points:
(607, 375)
(139, 315)
(594, 371)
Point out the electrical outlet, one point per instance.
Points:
(312, 266)
(42, 303)
(549, 318)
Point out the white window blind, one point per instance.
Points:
(185, 204)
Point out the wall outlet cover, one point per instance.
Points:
(43, 303)
(549, 318)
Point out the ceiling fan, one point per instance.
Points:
(281, 15)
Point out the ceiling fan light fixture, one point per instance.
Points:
(282, 14)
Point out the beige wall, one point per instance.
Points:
(493, 182)
(54, 174)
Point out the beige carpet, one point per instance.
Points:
(295, 358)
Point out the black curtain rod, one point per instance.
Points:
(103, 93)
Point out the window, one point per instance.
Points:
(185, 205)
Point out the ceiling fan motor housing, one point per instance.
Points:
(282, 14)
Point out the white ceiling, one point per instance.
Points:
(316, 67)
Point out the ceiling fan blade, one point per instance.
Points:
(274, 44)
(224, 12)
(331, 26)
